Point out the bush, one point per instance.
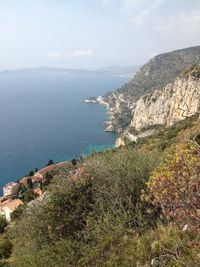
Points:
(165, 246)
(104, 201)
(197, 139)
(17, 213)
(48, 178)
(5, 248)
(118, 178)
(2, 224)
(174, 186)
(28, 195)
(60, 254)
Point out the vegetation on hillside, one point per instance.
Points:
(159, 71)
(115, 211)
(174, 186)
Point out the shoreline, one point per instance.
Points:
(108, 123)
(88, 152)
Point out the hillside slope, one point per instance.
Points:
(99, 216)
(161, 70)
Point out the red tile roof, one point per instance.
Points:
(38, 192)
(36, 179)
(47, 169)
(25, 179)
(4, 203)
(14, 204)
(43, 171)
(62, 164)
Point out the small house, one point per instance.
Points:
(41, 173)
(11, 189)
(10, 207)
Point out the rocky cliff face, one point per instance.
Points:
(165, 90)
(158, 94)
(176, 101)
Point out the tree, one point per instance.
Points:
(22, 188)
(28, 195)
(36, 169)
(74, 162)
(2, 224)
(30, 183)
(174, 186)
(50, 162)
(48, 178)
(31, 173)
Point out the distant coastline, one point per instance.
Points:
(123, 72)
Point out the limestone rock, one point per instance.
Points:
(175, 102)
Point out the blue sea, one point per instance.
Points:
(43, 116)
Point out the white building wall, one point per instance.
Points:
(7, 214)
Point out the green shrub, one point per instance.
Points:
(28, 195)
(5, 248)
(99, 218)
(165, 246)
(2, 224)
(105, 200)
(197, 138)
(16, 214)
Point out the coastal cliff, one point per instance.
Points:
(174, 102)
(165, 90)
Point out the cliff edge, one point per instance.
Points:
(165, 90)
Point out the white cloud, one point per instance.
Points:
(82, 53)
(138, 11)
(76, 54)
(53, 54)
(183, 22)
(184, 28)
(146, 12)
(141, 17)
(130, 4)
(106, 2)
(113, 56)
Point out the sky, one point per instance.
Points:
(89, 34)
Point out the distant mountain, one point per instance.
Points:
(46, 70)
(127, 71)
(160, 70)
(131, 68)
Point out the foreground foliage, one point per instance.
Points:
(78, 215)
(164, 246)
(101, 218)
(174, 186)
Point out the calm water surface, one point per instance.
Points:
(42, 117)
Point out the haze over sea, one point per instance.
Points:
(42, 117)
